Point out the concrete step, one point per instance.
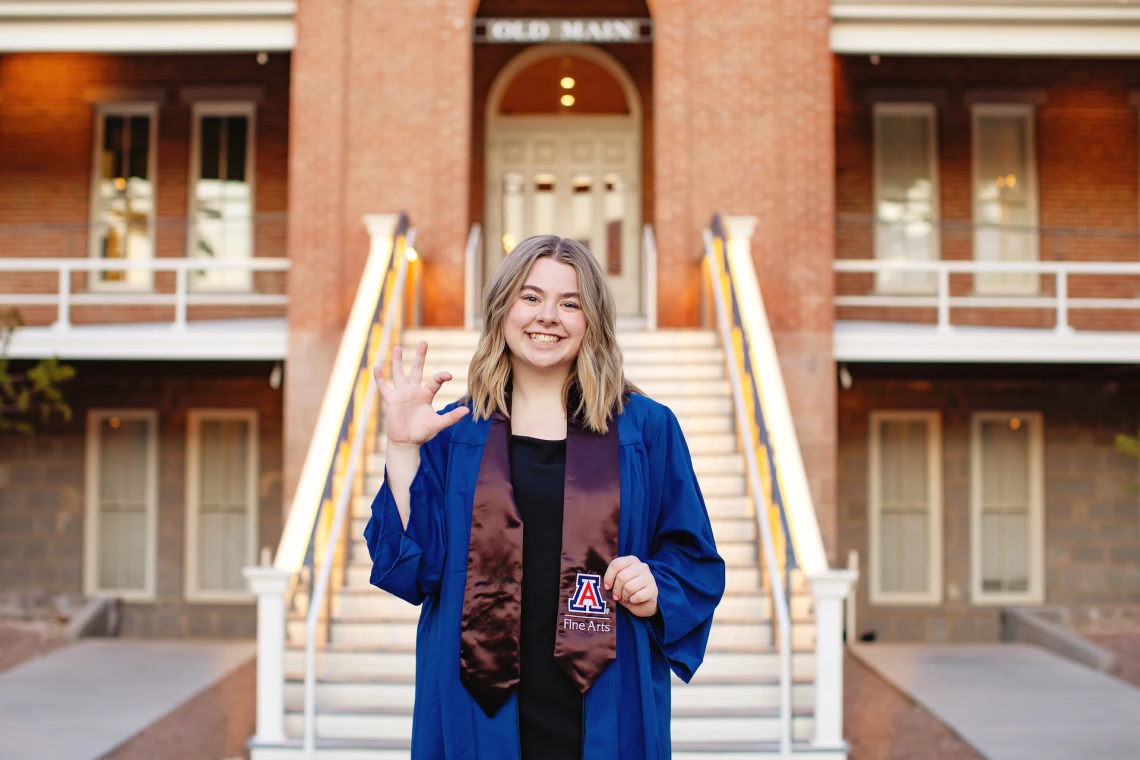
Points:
(447, 357)
(704, 465)
(702, 444)
(727, 635)
(454, 337)
(335, 662)
(741, 577)
(725, 529)
(370, 694)
(734, 553)
(387, 724)
(373, 603)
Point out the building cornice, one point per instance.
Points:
(1009, 28)
(147, 26)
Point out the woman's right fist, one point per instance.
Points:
(409, 418)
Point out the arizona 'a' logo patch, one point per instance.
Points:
(587, 596)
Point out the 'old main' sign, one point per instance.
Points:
(531, 30)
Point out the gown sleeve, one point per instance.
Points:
(684, 562)
(408, 562)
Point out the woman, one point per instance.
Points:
(519, 518)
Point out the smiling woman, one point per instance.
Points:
(547, 522)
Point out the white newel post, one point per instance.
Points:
(738, 232)
(270, 585)
(829, 589)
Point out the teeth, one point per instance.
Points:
(546, 340)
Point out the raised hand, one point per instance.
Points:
(410, 419)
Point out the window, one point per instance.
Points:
(1005, 196)
(906, 508)
(221, 193)
(221, 499)
(906, 193)
(122, 503)
(1006, 508)
(122, 193)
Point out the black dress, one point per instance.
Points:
(550, 707)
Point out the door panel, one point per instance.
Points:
(572, 177)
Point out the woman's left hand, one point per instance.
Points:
(633, 585)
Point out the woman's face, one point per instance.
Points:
(545, 325)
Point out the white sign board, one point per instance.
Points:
(532, 30)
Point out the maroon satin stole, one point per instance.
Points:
(586, 640)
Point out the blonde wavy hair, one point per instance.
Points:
(597, 381)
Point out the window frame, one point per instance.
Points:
(1035, 594)
(933, 420)
(204, 108)
(194, 420)
(91, 537)
(1029, 112)
(125, 108)
(913, 108)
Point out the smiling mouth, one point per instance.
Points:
(543, 340)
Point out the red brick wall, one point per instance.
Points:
(47, 123)
(1092, 508)
(42, 486)
(380, 121)
(1087, 168)
(743, 124)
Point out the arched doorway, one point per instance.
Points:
(563, 157)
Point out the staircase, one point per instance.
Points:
(365, 686)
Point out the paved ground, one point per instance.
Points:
(882, 723)
(1014, 701)
(76, 704)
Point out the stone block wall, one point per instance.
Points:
(43, 481)
(1091, 501)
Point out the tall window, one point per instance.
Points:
(221, 498)
(906, 508)
(906, 193)
(1007, 505)
(122, 194)
(1005, 196)
(122, 502)
(221, 192)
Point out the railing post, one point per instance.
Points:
(180, 294)
(1062, 278)
(943, 300)
(63, 320)
(270, 585)
(829, 589)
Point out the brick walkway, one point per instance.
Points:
(212, 726)
(20, 642)
(1125, 644)
(881, 723)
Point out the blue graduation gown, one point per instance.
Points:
(663, 522)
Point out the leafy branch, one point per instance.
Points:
(31, 393)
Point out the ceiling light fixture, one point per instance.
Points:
(568, 100)
(567, 83)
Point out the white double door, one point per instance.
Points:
(575, 177)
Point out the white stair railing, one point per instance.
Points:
(473, 277)
(729, 251)
(345, 424)
(649, 276)
(714, 259)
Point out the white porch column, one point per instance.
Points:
(829, 589)
(270, 585)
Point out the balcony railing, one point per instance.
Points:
(64, 275)
(959, 274)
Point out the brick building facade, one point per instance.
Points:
(744, 108)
